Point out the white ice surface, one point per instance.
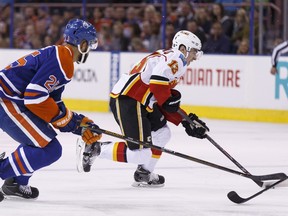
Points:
(191, 188)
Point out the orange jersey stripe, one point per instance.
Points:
(31, 94)
(5, 88)
(66, 60)
(19, 162)
(40, 140)
(46, 110)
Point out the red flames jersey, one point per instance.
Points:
(151, 80)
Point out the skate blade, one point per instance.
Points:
(145, 185)
(9, 197)
(13, 197)
(80, 147)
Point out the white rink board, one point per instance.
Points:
(10, 55)
(91, 80)
(230, 81)
(214, 80)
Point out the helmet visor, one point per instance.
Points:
(199, 54)
(93, 44)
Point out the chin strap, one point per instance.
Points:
(83, 56)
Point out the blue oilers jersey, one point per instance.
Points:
(38, 78)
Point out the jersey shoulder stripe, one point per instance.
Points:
(65, 59)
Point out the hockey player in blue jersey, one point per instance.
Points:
(31, 106)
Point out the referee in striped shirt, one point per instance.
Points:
(277, 51)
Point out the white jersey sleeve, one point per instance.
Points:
(277, 51)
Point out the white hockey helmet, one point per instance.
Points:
(188, 39)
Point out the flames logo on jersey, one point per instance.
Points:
(174, 66)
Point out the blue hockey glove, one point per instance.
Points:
(66, 120)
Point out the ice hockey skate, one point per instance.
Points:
(10, 189)
(86, 154)
(144, 178)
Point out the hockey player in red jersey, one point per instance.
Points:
(30, 102)
(142, 102)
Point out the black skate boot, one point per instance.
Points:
(86, 154)
(144, 178)
(89, 155)
(11, 189)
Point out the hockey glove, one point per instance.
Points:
(172, 104)
(88, 136)
(194, 118)
(198, 130)
(66, 120)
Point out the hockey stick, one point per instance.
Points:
(234, 197)
(274, 176)
(194, 124)
(268, 183)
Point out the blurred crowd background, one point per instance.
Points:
(137, 26)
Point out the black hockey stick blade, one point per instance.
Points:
(268, 183)
(234, 197)
(258, 182)
(274, 176)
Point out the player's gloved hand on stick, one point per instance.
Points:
(88, 136)
(194, 118)
(198, 130)
(172, 104)
(68, 121)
